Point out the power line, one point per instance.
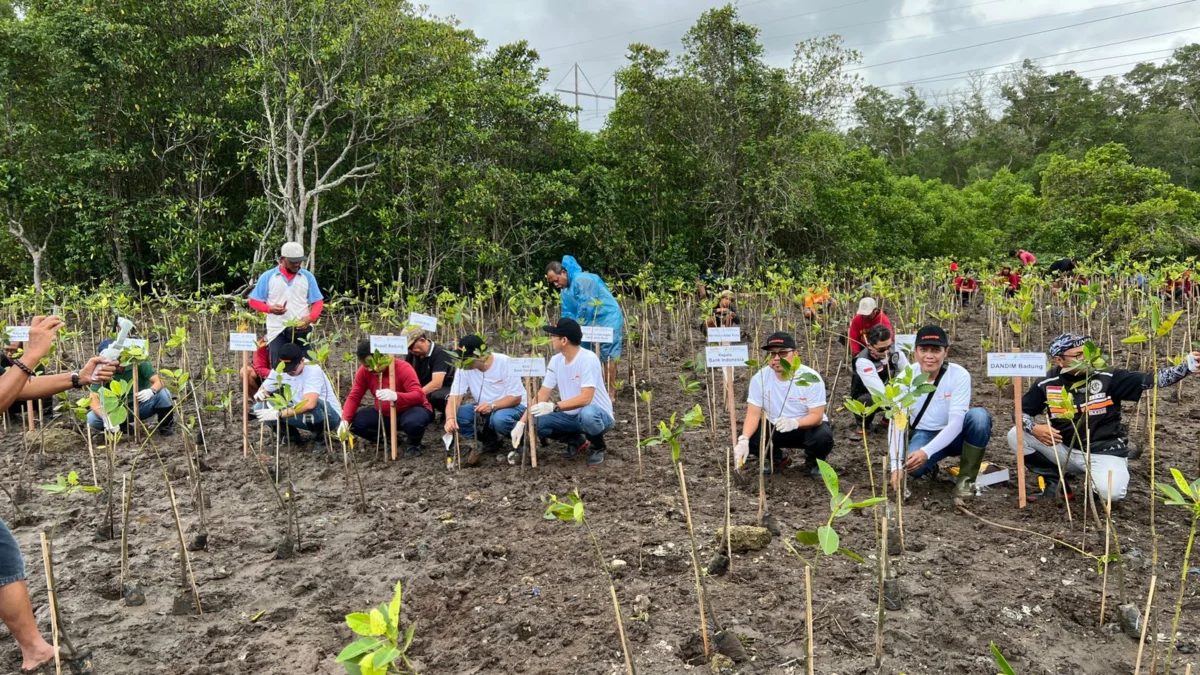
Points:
(930, 80)
(1025, 35)
(637, 30)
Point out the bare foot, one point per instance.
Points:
(36, 655)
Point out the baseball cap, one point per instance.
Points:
(292, 251)
(866, 306)
(567, 328)
(932, 336)
(471, 346)
(953, 267)
(779, 341)
(291, 355)
(412, 334)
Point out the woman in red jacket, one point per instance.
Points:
(1010, 280)
(413, 412)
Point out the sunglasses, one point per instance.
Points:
(780, 354)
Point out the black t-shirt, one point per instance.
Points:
(437, 361)
(1098, 401)
(1063, 266)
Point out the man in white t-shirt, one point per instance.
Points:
(794, 409)
(584, 411)
(499, 397)
(943, 423)
(314, 407)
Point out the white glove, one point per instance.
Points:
(388, 395)
(1193, 363)
(540, 409)
(786, 424)
(267, 415)
(343, 428)
(517, 432)
(144, 395)
(111, 428)
(261, 394)
(741, 451)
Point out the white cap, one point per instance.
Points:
(292, 249)
(866, 306)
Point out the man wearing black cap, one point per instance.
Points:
(794, 407)
(584, 410)
(1096, 395)
(434, 366)
(152, 398)
(313, 406)
(943, 423)
(499, 397)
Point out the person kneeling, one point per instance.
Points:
(413, 412)
(153, 399)
(312, 407)
(499, 398)
(584, 411)
(794, 408)
(1095, 395)
(943, 423)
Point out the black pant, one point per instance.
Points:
(299, 336)
(964, 298)
(369, 424)
(816, 442)
(437, 399)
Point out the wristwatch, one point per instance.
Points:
(75, 380)
(556, 408)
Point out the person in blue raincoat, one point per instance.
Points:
(580, 290)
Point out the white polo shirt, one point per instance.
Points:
(491, 385)
(571, 378)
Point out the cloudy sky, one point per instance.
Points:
(933, 42)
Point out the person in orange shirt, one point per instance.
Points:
(815, 301)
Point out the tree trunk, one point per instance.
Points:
(37, 271)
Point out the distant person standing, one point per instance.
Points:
(587, 300)
(869, 315)
(287, 294)
(1027, 259)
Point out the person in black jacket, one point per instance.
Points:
(434, 366)
(1095, 396)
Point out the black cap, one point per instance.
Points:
(780, 341)
(567, 328)
(471, 346)
(932, 336)
(291, 355)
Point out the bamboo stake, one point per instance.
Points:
(137, 417)
(695, 560)
(808, 618)
(1107, 542)
(392, 404)
(245, 406)
(1017, 390)
(53, 603)
(1145, 623)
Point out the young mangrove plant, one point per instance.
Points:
(383, 648)
(1175, 496)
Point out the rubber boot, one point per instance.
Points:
(968, 471)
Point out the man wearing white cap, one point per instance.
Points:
(869, 315)
(287, 294)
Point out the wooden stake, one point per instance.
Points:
(53, 603)
(246, 406)
(1107, 541)
(808, 618)
(1017, 389)
(136, 404)
(1145, 623)
(392, 404)
(695, 561)
(87, 430)
(29, 415)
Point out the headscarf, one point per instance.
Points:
(1066, 342)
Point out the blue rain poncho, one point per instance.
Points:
(584, 287)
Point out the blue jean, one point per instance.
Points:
(499, 422)
(12, 565)
(592, 420)
(313, 421)
(158, 405)
(977, 431)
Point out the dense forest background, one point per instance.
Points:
(173, 144)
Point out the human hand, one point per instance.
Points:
(916, 460)
(388, 395)
(540, 409)
(98, 369)
(1047, 435)
(261, 394)
(451, 424)
(1193, 361)
(741, 451)
(517, 432)
(343, 428)
(785, 424)
(110, 428)
(485, 408)
(144, 395)
(267, 415)
(303, 323)
(278, 309)
(42, 332)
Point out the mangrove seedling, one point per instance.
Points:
(1175, 496)
(382, 649)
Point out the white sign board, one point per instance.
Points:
(530, 367)
(724, 357)
(598, 334)
(136, 342)
(396, 345)
(243, 342)
(1017, 364)
(733, 334)
(18, 333)
(907, 341)
(425, 321)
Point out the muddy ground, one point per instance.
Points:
(494, 588)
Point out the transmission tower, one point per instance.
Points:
(592, 93)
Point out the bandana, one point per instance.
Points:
(1066, 342)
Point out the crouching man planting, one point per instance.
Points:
(152, 398)
(942, 423)
(498, 398)
(584, 410)
(313, 406)
(1083, 402)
